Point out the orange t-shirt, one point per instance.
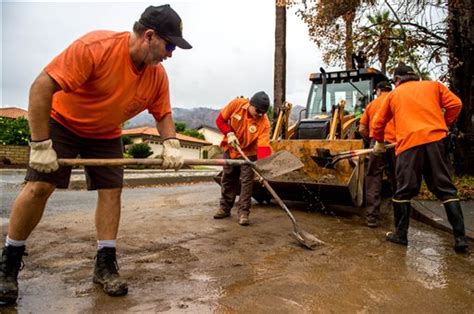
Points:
(101, 88)
(250, 132)
(417, 111)
(369, 115)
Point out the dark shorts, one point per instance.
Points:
(69, 145)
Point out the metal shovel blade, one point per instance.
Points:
(277, 164)
(323, 158)
(307, 239)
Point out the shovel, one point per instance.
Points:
(325, 159)
(305, 238)
(275, 165)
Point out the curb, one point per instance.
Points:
(132, 178)
(430, 217)
(134, 182)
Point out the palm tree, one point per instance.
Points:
(380, 34)
(279, 77)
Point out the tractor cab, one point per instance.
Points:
(336, 101)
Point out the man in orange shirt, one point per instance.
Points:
(77, 106)
(246, 124)
(420, 127)
(377, 162)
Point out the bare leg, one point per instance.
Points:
(107, 218)
(28, 209)
(107, 214)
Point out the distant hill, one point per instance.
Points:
(193, 118)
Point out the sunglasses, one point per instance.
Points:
(169, 46)
(260, 111)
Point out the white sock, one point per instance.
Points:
(11, 242)
(105, 243)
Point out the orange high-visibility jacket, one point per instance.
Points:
(417, 111)
(368, 119)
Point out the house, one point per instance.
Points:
(215, 136)
(13, 154)
(13, 113)
(192, 148)
(211, 134)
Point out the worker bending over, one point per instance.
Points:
(244, 123)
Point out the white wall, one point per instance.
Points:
(211, 136)
(188, 151)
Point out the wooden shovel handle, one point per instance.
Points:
(146, 161)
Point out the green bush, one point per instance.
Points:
(126, 140)
(193, 133)
(140, 150)
(14, 131)
(180, 126)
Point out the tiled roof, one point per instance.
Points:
(154, 132)
(13, 112)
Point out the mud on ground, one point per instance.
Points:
(178, 259)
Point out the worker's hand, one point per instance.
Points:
(232, 139)
(43, 157)
(172, 157)
(379, 149)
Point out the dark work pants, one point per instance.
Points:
(430, 162)
(230, 183)
(373, 180)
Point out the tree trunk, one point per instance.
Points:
(348, 44)
(279, 78)
(461, 68)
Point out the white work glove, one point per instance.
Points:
(172, 157)
(379, 149)
(232, 139)
(43, 157)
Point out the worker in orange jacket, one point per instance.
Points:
(377, 162)
(244, 123)
(420, 126)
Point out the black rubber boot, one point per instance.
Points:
(456, 219)
(106, 273)
(10, 265)
(401, 214)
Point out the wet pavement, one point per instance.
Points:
(178, 259)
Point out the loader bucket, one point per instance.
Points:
(313, 183)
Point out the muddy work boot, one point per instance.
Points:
(244, 220)
(401, 213)
(221, 214)
(10, 265)
(456, 219)
(372, 222)
(106, 273)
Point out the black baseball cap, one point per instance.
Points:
(167, 24)
(261, 101)
(384, 86)
(403, 69)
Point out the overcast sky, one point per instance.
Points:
(233, 46)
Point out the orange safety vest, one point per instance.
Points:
(251, 133)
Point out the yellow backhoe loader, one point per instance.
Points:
(330, 121)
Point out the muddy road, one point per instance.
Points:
(178, 259)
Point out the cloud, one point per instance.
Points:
(233, 47)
